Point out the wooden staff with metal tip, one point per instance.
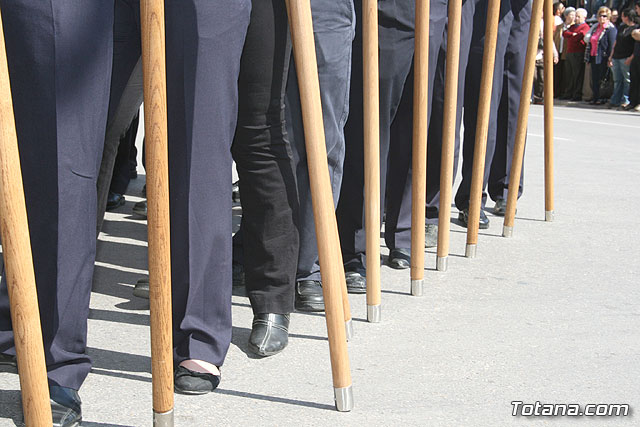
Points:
(449, 132)
(523, 117)
(548, 110)
(482, 127)
(157, 165)
(371, 104)
(329, 253)
(16, 248)
(419, 154)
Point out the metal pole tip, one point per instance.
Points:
(348, 329)
(470, 251)
(442, 263)
(344, 398)
(549, 216)
(163, 419)
(374, 313)
(417, 287)
(507, 231)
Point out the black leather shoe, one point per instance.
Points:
(269, 334)
(66, 406)
(463, 216)
(309, 296)
(430, 235)
(400, 259)
(355, 274)
(500, 207)
(8, 360)
(187, 381)
(141, 289)
(114, 200)
(140, 209)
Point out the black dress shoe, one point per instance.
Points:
(400, 259)
(309, 296)
(500, 207)
(355, 274)
(140, 209)
(187, 381)
(114, 200)
(66, 406)
(8, 360)
(269, 334)
(463, 216)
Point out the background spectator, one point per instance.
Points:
(621, 59)
(600, 40)
(560, 77)
(574, 58)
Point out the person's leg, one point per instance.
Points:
(204, 44)
(263, 161)
(60, 80)
(334, 27)
(618, 83)
(625, 81)
(634, 82)
(596, 75)
(122, 167)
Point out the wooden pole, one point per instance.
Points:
(419, 155)
(16, 248)
(329, 253)
(482, 127)
(155, 121)
(548, 110)
(523, 117)
(449, 131)
(371, 103)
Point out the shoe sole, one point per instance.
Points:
(190, 392)
(309, 308)
(256, 351)
(399, 265)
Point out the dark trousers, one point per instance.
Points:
(472, 95)
(575, 72)
(634, 86)
(510, 102)
(204, 44)
(597, 73)
(125, 158)
(60, 84)
(333, 25)
(263, 161)
(396, 37)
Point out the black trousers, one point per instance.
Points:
(396, 37)
(472, 95)
(264, 162)
(634, 87)
(575, 74)
(124, 159)
(498, 184)
(60, 83)
(597, 73)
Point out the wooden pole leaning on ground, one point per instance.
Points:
(548, 110)
(330, 257)
(16, 248)
(523, 118)
(449, 132)
(419, 154)
(371, 103)
(155, 125)
(482, 127)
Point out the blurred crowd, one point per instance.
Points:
(596, 53)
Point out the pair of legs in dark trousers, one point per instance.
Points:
(597, 73)
(263, 161)
(472, 96)
(60, 83)
(125, 158)
(396, 28)
(575, 71)
(333, 26)
(500, 168)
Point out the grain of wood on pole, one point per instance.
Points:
(371, 103)
(419, 154)
(548, 110)
(330, 257)
(155, 102)
(482, 126)
(523, 117)
(16, 248)
(449, 131)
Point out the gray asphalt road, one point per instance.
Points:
(551, 315)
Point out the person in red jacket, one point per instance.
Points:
(574, 37)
